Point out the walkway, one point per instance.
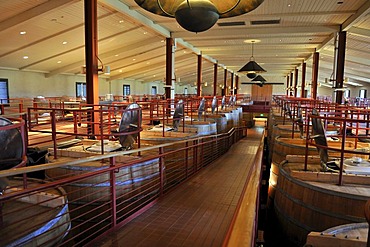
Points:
(199, 211)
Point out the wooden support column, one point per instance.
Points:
(199, 75)
(303, 85)
(287, 85)
(291, 84)
(340, 66)
(315, 73)
(225, 83)
(169, 67)
(232, 84)
(236, 84)
(295, 81)
(215, 67)
(91, 54)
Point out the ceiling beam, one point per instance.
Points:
(353, 59)
(34, 12)
(128, 50)
(127, 73)
(224, 40)
(78, 47)
(49, 37)
(360, 14)
(242, 32)
(250, 16)
(359, 32)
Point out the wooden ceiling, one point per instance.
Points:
(132, 40)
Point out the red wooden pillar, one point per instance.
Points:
(303, 85)
(225, 83)
(340, 66)
(315, 73)
(169, 67)
(232, 83)
(199, 75)
(91, 55)
(295, 81)
(287, 85)
(291, 84)
(236, 84)
(215, 67)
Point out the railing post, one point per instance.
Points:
(164, 113)
(191, 112)
(367, 215)
(1, 215)
(342, 152)
(186, 158)
(307, 140)
(24, 132)
(75, 123)
(138, 130)
(101, 129)
(161, 171)
(53, 134)
(195, 156)
(113, 192)
(183, 117)
(201, 152)
(20, 107)
(151, 109)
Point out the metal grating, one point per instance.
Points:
(231, 24)
(265, 22)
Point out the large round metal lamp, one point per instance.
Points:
(198, 15)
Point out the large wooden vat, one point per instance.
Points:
(200, 127)
(233, 116)
(248, 118)
(47, 214)
(97, 188)
(281, 131)
(302, 206)
(221, 121)
(287, 146)
(348, 235)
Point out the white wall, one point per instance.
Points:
(24, 84)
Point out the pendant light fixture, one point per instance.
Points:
(259, 78)
(252, 68)
(198, 15)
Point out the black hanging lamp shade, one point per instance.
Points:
(198, 15)
(252, 68)
(259, 78)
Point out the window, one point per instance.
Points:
(186, 91)
(126, 90)
(81, 89)
(154, 90)
(363, 93)
(4, 92)
(347, 94)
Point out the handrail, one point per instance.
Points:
(367, 215)
(243, 227)
(114, 184)
(17, 171)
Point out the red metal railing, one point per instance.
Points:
(84, 198)
(348, 124)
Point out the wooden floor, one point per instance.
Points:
(199, 211)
